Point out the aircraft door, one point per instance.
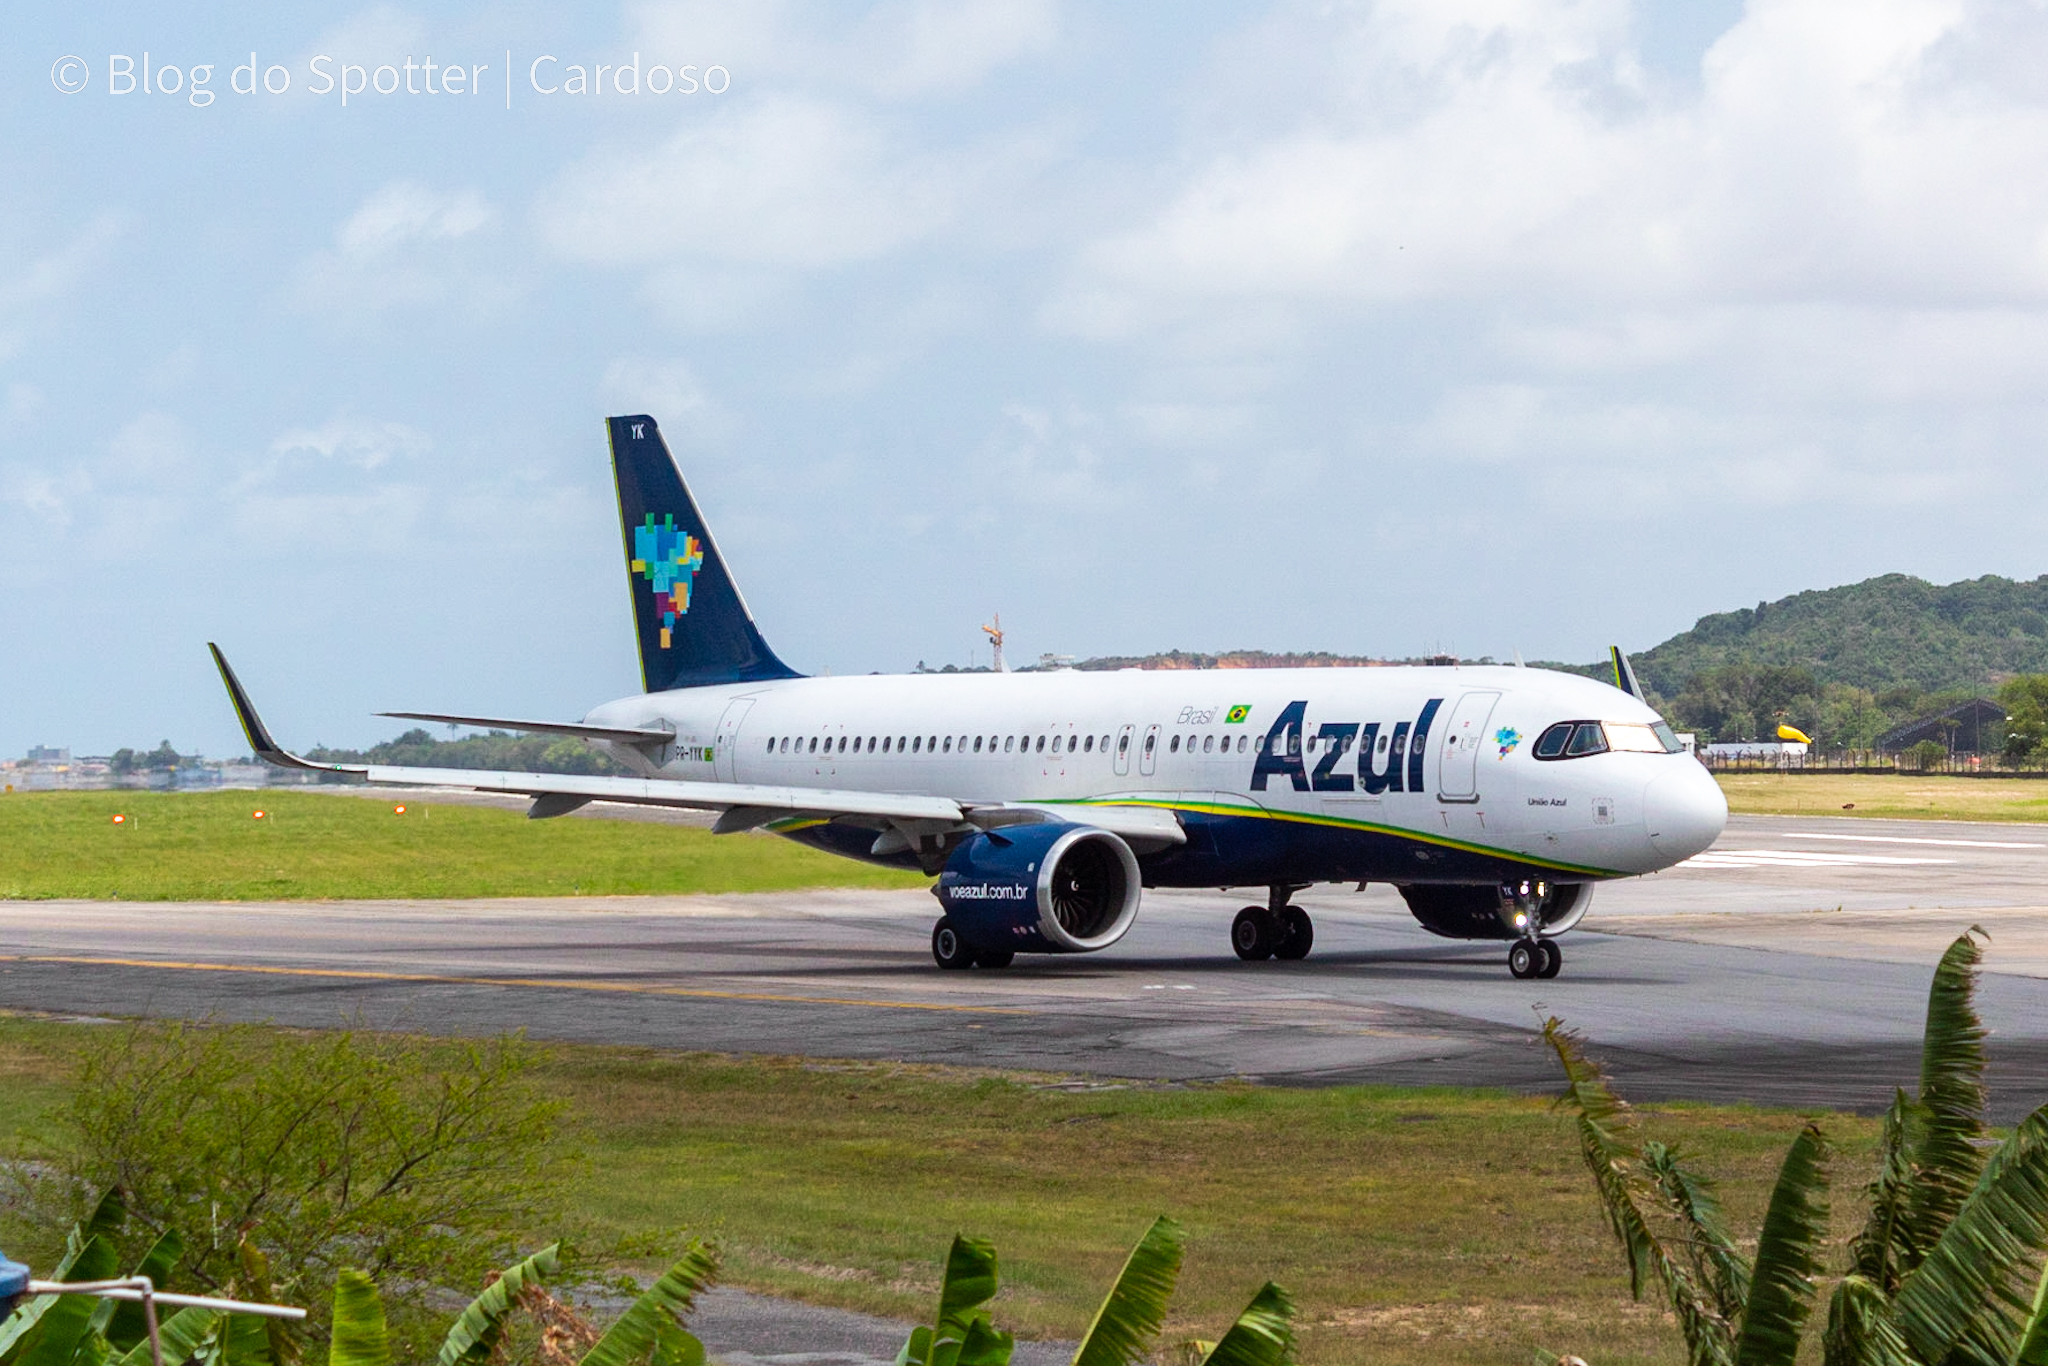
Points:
(1148, 753)
(1465, 735)
(1123, 751)
(726, 746)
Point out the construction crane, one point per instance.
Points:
(995, 639)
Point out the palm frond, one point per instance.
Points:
(1135, 1308)
(361, 1337)
(1860, 1331)
(1606, 1130)
(245, 1341)
(479, 1329)
(180, 1334)
(1943, 1128)
(1263, 1334)
(2033, 1337)
(1963, 1301)
(668, 1300)
(1709, 1247)
(1885, 1250)
(1788, 1256)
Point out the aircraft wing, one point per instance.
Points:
(742, 805)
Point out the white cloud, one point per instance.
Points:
(892, 51)
(1511, 150)
(784, 182)
(406, 211)
(56, 273)
(667, 389)
(363, 443)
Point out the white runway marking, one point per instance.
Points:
(1909, 839)
(1797, 858)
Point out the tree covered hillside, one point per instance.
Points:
(1891, 632)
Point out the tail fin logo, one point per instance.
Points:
(668, 558)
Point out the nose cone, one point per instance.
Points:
(1684, 811)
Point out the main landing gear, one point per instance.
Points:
(949, 950)
(1275, 930)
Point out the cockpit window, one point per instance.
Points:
(1654, 739)
(1576, 739)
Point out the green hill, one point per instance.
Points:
(1891, 632)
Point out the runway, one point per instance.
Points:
(1788, 965)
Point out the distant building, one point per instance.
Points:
(46, 754)
(1973, 727)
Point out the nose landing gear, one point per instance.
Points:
(1522, 906)
(1275, 930)
(1535, 958)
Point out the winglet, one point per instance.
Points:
(1624, 676)
(260, 742)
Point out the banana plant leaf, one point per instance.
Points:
(1135, 1309)
(675, 1347)
(1788, 1256)
(181, 1335)
(361, 1337)
(107, 1217)
(964, 1335)
(51, 1328)
(479, 1329)
(1263, 1334)
(1964, 1302)
(238, 1339)
(1944, 1128)
(245, 1341)
(668, 1300)
(125, 1325)
(1860, 1331)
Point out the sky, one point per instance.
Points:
(1383, 328)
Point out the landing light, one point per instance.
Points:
(1521, 921)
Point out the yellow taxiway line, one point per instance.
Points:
(440, 979)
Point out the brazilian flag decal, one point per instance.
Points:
(1236, 715)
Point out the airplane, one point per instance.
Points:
(1492, 798)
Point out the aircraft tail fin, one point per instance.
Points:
(694, 626)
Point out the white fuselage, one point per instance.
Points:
(1318, 750)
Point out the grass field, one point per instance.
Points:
(209, 846)
(1413, 1225)
(1899, 796)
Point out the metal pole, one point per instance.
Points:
(139, 1288)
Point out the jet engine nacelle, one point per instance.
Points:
(1490, 911)
(1050, 888)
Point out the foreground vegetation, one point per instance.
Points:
(1905, 796)
(1947, 1267)
(1454, 1226)
(204, 846)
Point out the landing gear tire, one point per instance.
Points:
(993, 958)
(1254, 934)
(1525, 959)
(1298, 934)
(1553, 958)
(949, 950)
